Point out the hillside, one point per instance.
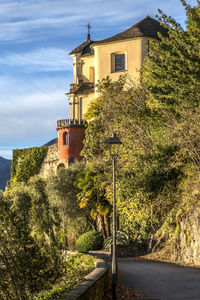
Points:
(5, 166)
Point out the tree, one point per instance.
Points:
(145, 175)
(93, 197)
(171, 72)
(26, 265)
(171, 76)
(62, 194)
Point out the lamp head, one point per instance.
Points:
(114, 144)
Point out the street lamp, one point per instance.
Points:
(114, 144)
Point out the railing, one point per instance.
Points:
(70, 122)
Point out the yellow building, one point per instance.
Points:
(93, 61)
(116, 55)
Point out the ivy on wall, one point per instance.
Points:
(27, 162)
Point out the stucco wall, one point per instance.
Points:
(133, 49)
(85, 102)
(87, 62)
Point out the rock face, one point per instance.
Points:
(187, 245)
(5, 167)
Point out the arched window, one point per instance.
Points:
(66, 138)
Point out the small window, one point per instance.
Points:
(66, 139)
(119, 62)
(91, 74)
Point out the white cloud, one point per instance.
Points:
(32, 111)
(42, 60)
(27, 19)
(6, 152)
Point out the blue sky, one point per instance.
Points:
(35, 69)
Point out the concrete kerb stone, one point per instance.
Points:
(90, 280)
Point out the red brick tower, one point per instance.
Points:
(71, 134)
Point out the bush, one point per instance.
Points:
(91, 240)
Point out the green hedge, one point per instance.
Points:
(91, 240)
(27, 162)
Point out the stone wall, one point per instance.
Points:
(186, 248)
(51, 162)
(94, 286)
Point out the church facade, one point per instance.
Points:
(122, 53)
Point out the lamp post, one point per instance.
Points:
(114, 144)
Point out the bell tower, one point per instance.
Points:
(71, 133)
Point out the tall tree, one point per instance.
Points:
(62, 194)
(171, 76)
(26, 265)
(172, 69)
(144, 172)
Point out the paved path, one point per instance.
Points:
(161, 281)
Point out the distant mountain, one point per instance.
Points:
(52, 142)
(5, 167)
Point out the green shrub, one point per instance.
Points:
(91, 240)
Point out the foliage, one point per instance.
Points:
(171, 77)
(92, 196)
(27, 163)
(59, 289)
(145, 175)
(171, 72)
(77, 266)
(27, 265)
(158, 124)
(91, 240)
(30, 231)
(62, 194)
(43, 217)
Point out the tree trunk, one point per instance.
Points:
(107, 225)
(102, 226)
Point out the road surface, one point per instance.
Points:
(161, 281)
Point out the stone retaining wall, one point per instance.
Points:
(94, 286)
(51, 162)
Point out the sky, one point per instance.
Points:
(36, 37)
